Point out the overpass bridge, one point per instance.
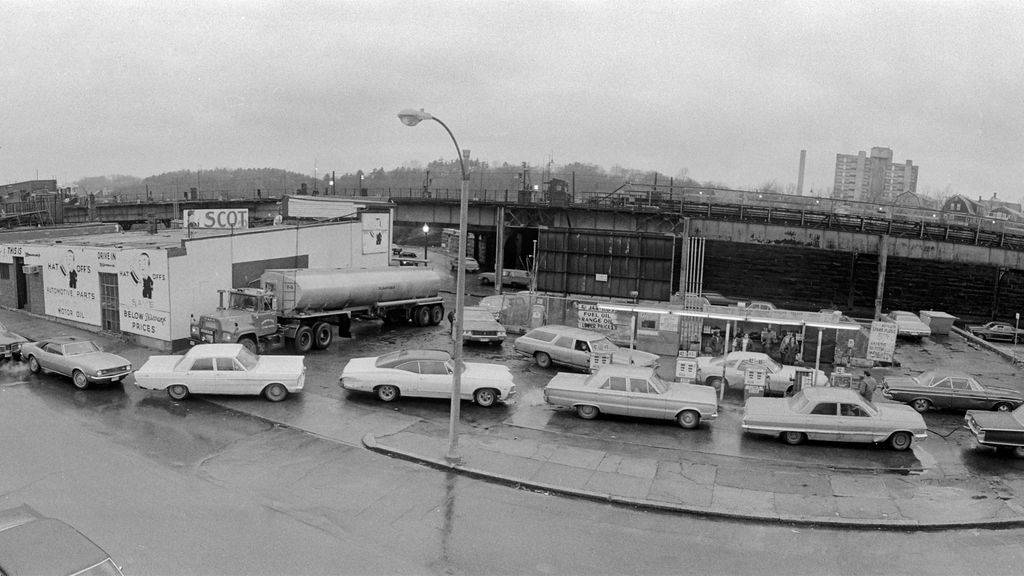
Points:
(813, 253)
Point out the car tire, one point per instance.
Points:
(177, 391)
(1003, 407)
(715, 382)
(922, 405)
(900, 441)
(80, 380)
(983, 337)
(387, 393)
(485, 397)
(688, 419)
(33, 365)
(322, 335)
(275, 392)
(303, 340)
(543, 360)
(794, 438)
(250, 344)
(587, 412)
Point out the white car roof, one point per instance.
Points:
(208, 350)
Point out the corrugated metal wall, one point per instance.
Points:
(610, 264)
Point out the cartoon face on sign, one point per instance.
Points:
(67, 268)
(140, 274)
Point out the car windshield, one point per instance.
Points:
(247, 359)
(659, 385)
(76, 348)
(602, 345)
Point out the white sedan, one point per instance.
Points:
(223, 369)
(780, 377)
(909, 325)
(426, 373)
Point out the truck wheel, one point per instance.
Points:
(249, 344)
(436, 314)
(322, 335)
(422, 315)
(303, 339)
(177, 391)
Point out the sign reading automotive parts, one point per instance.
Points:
(217, 218)
(591, 318)
(882, 341)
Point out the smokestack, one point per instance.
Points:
(800, 178)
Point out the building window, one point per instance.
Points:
(5, 271)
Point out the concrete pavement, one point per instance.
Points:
(652, 478)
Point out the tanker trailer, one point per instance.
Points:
(301, 306)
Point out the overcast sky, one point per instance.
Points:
(726, 91)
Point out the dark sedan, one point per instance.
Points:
(949, 390)
(996, 331)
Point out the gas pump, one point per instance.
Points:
(802, 378)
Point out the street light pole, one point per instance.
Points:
(411, 117)
(426, 229)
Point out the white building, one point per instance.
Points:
(147, 286)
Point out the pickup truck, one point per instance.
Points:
(1002, 430)
(223, 369)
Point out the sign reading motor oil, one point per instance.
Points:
(217, 218)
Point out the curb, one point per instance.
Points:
(371, 443)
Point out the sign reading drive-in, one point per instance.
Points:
(218, 218)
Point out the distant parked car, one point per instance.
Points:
(428, 374)
(409, 254)
(223, 369)
(944, 389)
(780, 377)
(759, 305)
(479, 325)
(997, 331)
(81, 360)
(632, 391)
(908, 325)
(834, 414)
(717, 299)
(10, 344)
(31, 543)
(573, 347)
(471, 264)
(1004, 431)
(510, 278)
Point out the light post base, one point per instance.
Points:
(453, 459)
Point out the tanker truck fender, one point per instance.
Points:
(344, 326)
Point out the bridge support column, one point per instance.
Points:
(883, 256)
(499, 247)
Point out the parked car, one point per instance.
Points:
(471, 264)
(780, 377)
(1004, 431)
(759, 305)
(834, 414)
(409, 254)
(510, 278)
(943, 389)
(428, 374)
(997, 331)
(479, 325)
(717, 299)
(81, 360)
(223, 369)
(569, 346)
(31, 543)
(632, 391)
(908, 325)
(10, 344)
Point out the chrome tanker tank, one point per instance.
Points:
(337, 288)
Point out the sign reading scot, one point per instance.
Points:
(217, 218)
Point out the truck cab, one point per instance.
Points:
(250, 313)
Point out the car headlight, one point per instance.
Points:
(225, 336)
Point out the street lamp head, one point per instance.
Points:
(411, 117)
(426, 228)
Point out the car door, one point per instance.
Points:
(822, 422)
(201, 376)
(644, 401)
(407, 378)
(563, 351)
(614, 395)
(967, 397)
(940, 394)
(52, 357)
(232, 378)
(435, 380)
(855, 423)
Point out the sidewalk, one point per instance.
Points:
(650, 478)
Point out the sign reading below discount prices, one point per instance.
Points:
(593, 318)
(882, 341)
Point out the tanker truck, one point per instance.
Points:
(301, 307)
